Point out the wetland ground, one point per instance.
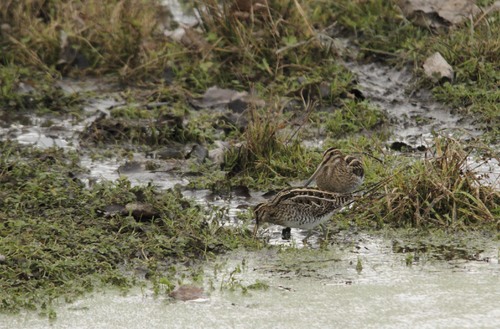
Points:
(135, 141)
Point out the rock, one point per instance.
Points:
(286, 233)
(130, 167)
(438, 15)
(238, 101)
(404, 147)
(437, 68)
(325, 89)
(5, 28)
(216, 155)
(113, 209)
(141, 211)
(174, 151)
(216, 97)
(238, 106)
(188, 292)
(199, 152)
(241, 191)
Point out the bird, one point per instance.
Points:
(338, 173)
(304, 208)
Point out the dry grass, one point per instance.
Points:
(438, 191)
(101, 36)
(271, 37)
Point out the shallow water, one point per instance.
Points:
(414, 117)
(307, 288)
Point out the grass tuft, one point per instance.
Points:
(438, 191)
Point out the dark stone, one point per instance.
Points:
(199, 152)
(286, 233)
(241, 190)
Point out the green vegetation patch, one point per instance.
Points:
(62, 239)
(354, 117)
(96, 36)
(439, 191)
(22, 90)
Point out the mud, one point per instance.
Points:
(414, 115)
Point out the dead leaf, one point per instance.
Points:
(438, 14)
(187, 292)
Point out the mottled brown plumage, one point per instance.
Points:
(303, 208)
(338, 173)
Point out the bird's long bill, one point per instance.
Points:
(314, 175)
(255, 228)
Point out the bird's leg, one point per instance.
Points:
(255, 228)
(325, 231)
(304, 241)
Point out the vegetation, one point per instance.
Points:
(382, 32)
(61, 238)
(441, 190)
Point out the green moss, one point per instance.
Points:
(58, 242)
(353, 117)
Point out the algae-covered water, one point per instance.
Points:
(357, 283)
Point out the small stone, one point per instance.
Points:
(325, 90)
(241, 191)
(141, 211)
(188, 292)
(130, 167)
(437, 68)
(2, 258)
(199, 152)
(5, 28)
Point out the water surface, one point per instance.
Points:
(308, 288)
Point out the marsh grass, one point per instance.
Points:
(270, 154)
(270, 45)
(439, 191)
(354, 117)
(41, 94)
(100, 36)
(251, 33)
(58, 241)
(377, 27)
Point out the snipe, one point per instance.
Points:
(338, 173)
(303, 208)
